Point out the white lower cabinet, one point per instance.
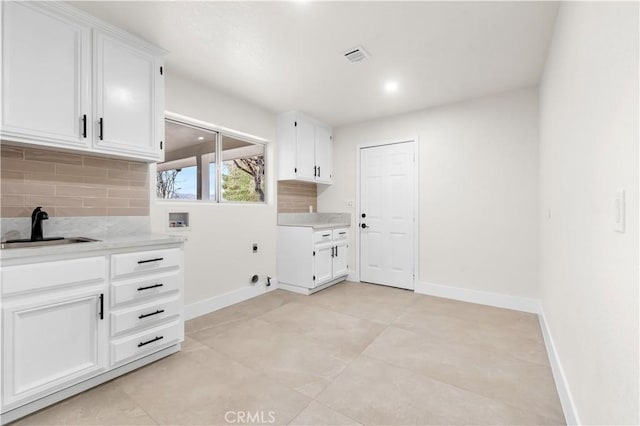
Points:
(323, 263)
(309, 259)
(52, 336)
(145, 314)
(147, 303)
(143, 342)
(69, 320)
(339, 263)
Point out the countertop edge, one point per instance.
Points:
(105, 243)
(317, 225)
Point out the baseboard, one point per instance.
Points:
(498, 300)
(564, 393)
(352, 275)
(523, 304)
(309, 291)
(211, 304)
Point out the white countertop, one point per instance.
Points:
(319, 225)
(105, 243)
(315, 220)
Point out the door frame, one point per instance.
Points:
(416, 201)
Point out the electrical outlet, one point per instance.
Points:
(348, 203)
(255, 247)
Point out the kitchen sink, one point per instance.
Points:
(55, 241)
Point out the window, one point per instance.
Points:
(191, 170)
(182, 175)
(242, 170)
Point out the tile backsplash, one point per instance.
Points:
(296, 197)
(70, 185)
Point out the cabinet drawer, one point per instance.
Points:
(322, 236)
(143, 288)
(37, 276)
(340, 234)
(144, 315)
(143, 343)
(144, 261)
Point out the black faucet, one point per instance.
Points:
(37, 216)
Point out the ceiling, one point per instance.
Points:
(288, 55)
(181, 136)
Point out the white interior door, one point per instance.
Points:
(387, 210)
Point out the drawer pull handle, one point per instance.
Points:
(101, 298)
(150, 287)
(341, 233)
(157, 259)
(326, 235)
(159, 311)
(155, 339)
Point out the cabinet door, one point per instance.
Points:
(322, 263)
(324, 152)
(305, 150)
(128, 93)
(55, 341)
(45, 76)
(340, 259)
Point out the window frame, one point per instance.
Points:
(220, 132)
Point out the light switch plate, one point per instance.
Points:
(619, 211)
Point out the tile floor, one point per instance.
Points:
(352, 354)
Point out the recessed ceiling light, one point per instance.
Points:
(391, 86)
(200, 138)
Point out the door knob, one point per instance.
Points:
(364, 226)
(363, 215)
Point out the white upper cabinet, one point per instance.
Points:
(304, 149)
(55, 95)
(324, 152)
(46, 72)
(127, 92)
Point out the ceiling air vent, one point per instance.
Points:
(357, 54)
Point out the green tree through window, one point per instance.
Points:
(243, 179)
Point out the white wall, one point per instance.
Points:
(218, 255)
(478, 189)
(589, 148)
